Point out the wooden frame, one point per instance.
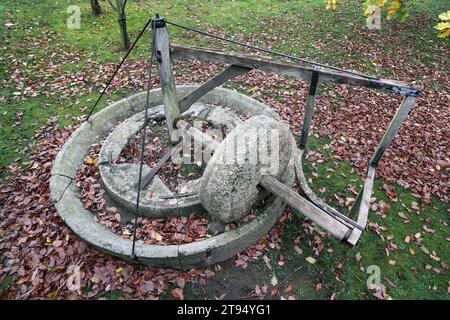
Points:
(307, 202)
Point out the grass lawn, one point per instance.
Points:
(409, 269)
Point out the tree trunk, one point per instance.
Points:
(124, 39)
(96, 9)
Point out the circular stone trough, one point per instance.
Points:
(184, 256)
(121, 180)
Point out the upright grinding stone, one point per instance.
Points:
(259, 146)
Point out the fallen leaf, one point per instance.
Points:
(311, 260)
(274, 280)
(177, 293)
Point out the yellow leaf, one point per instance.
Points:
(311, 260)
(394, 6)
(119, 269)
(52, 295)
(331, 4)
(155, 235)
(89, 160)
(95, 279)
(381, 3)
(274, 280)
(442, 26)
(411, 250)
(445, 16)
(444, 34)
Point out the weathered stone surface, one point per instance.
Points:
(228, 187)
(59, 186)
(122, 181)
(115, 142)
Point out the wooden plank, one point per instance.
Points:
(309, 108)
(227, 74)
(311, 196)
(171, 107)
(289, 69)
(399, 117)
(364, 206)
(333, 226)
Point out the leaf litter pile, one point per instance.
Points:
(38, 251)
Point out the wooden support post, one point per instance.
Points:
(363, 212)
(391, 131)
(167, 81)
(309, 107)
(227, 74)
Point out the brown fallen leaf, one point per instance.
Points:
(177, 293)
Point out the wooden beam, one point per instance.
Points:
(292, 198)
(289, 69)
(171, 107)
(309, 108)
(394, 126)
(312, 197)
(227, 74)
(363, 212)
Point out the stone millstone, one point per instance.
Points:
(228, 187)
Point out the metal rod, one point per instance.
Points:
(149, 177)
(269, 51)
(152, 54)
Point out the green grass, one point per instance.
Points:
(299, 27)
(411, 279)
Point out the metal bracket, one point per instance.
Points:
(403, 91)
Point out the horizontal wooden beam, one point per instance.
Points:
(301, 72)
